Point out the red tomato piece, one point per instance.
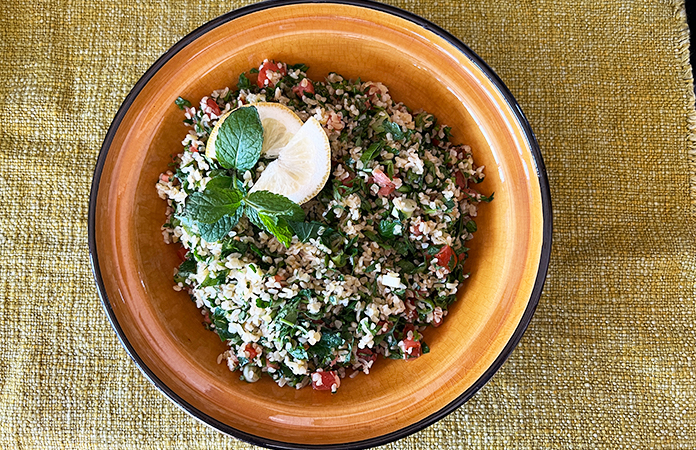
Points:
(381, 178)
(181, 253)
(326, 381)
(305, 87)
(444, 256)
(268, 68)
(412, 349)
(212, 104)
(386, 190)
(251, 351)
(459, 178)
(410, 346)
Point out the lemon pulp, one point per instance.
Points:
(302, 167)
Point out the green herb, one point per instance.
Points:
(389, 166)
(239, 139)
(395, 130)
(212, 204)
(407, 266)
(370, 153)
(299, 353)
(388, 228)
(182, 103)
(278, 227)
(307, 230)
(471, 226)
(301, 67)
(217, 317)
(326, 347)
(243, 82)
(221, 182)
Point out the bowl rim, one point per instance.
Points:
(510, 345)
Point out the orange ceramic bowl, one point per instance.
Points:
(424, 67)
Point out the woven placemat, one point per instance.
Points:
(608, 361)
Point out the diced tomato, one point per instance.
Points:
(385, 183)
(366, 354)
(181, 253)
(412, 349)
(326, 381)
(381, 178)
(249, 348)
(164, 177)
(459, 178)
(266, 72)
(206, 317)
(435, 142)
(444, 256)
(305, 87)
(410, 346)
(386, 190)
(212, 104)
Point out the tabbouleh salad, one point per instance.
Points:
(362, 269)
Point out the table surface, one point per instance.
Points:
(608, 360)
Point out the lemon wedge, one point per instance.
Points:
(302, 167)
(279, 124)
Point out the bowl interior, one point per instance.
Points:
(163, 327)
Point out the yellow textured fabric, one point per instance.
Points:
(608, 361)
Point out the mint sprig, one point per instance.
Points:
(217, 209)
(239, 139)
(212, 204)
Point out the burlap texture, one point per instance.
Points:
(608, 361)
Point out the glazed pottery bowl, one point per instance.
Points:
(424, 67)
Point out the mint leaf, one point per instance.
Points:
(253, 217)
(220, 182)
(270, 204)
(239, 139)
(218, 230)
(307, 230)
(212, 204)
(278, 227)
